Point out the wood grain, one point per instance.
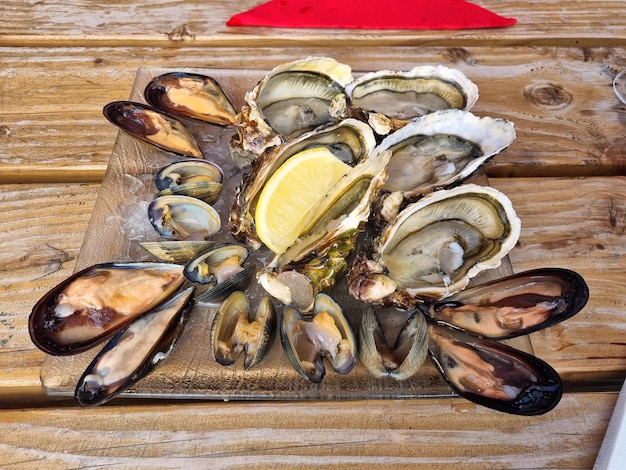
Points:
(434, 433)
(568, 121)
(172, 23)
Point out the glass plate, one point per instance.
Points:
(119, 222)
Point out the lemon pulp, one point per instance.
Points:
(292, 193)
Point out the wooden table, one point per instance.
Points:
(551, 74)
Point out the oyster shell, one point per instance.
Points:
(293, 98)
(150, 125)
(436, 245)
(191, 95)
(442, 148)
(350, 140)
(513, 306)
(327, 334)
(94, 303)
(183, 217)
(235, 331)
(134, 351)
(493, 374)
(408, 353)
(393, 98)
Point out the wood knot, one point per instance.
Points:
(548, 95)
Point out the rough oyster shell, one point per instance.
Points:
(436, 245)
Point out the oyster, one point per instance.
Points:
(92, 304)
(235, 331)
(393, 98)
(408, 353)
(350, 141)
(513, 306)
(442, 148)
(134, 351)
(150, 125)
(435, 246)
(292, 99)
(183, 217)
(330, 234)
(191, 95)
(328, 334)
(494, 375)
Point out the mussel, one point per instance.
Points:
(493, 374)
(134, 351)
(407, 355)
(150, 125)
(94, 303)
(191, 95)
(236, 331)
(513, 306)
(197, 178)
(327, 333)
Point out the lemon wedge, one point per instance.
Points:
(292, 193)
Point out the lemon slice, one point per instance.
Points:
(292, 192)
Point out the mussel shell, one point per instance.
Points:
(191, 95)
(235, 331)
(183, 217)
(150, 125)
(306, 345)
(493, 374)
(134, 351)
(408, 353)
(202, 269)
(176, 251)
(513, 306)
(215, 294)
(188, 171)
(110, 296)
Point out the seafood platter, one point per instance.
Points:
(306, 232)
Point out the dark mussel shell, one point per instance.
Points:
(514, 305)
(493, 374)
(94, 303)
(191, 95)
(150, 125)
(134, 351)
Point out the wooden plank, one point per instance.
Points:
(166, 23)
(434, 433)
(568, 121)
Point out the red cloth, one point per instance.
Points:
(371, 14)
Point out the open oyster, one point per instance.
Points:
(326, 334)
(436, 245)
(94, 303)
(351, 141)
(442, 148)
(391, 99)
(290, 100)
(134, 351)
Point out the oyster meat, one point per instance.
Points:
(436, 245)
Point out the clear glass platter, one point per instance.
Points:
(119, 222)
